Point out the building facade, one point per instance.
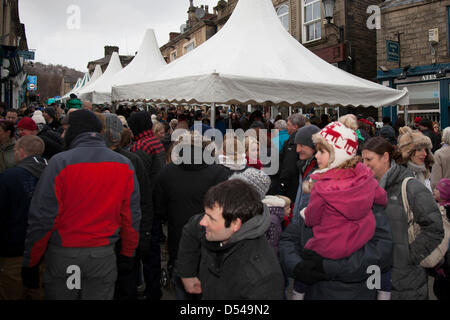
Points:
(413, 52)
(103, 62)
(13, 47)
(346, 42)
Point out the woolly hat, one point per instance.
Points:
(410, 141)
(51, 112)
(417, 120)
(113, 129)
(444, 190)
(140, 122)
(81, 121)
(27, 123)
(304, 136)
(39, 119)
(257, 178)
(340, 140)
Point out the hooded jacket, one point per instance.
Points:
(88, 197)
(16, 190)
(409, 279)
(339, 211)
(243, 268)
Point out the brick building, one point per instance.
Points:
(420, 60)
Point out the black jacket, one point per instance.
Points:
(348, 276)
(435, 139)
(179, 193)
(16, 190)
(146, 200)
(53, 142)
(289, 172)
(244, 268)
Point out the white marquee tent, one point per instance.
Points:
(254, 60)
(144, 66)
(99, 92)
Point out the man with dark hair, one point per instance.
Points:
(86, 200)
(224, 253)
(286, 182)
(74, 102)
(426, 127)
(12, 115)
(51, 118)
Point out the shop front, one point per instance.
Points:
(428, 88)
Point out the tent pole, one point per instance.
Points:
(213, 115)
(405, 108)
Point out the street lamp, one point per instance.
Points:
(329, 10)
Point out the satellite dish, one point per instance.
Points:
(183, 27)
(200, 13)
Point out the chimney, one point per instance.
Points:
(110, 49)
(173, 35)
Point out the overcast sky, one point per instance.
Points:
(53, 32)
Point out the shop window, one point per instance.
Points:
(424, 101)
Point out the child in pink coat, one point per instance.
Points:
(343, 192)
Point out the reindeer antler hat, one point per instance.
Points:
(340, 140)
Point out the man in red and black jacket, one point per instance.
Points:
(86, 199)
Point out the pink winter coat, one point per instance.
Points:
(339, 211)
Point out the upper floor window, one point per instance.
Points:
(312, 22)
(173, 56)
(283, 15)
(189, 47)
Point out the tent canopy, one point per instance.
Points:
(254, 60)
(99, 91)
(145, 64)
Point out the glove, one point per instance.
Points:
(125, 264)
(145, 245)
(305, 272)
(314, 257)
(30, 277)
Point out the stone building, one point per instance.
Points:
(103, 62)
(420, 60)
(14, 46)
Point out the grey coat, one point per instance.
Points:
(7, 155)
(409, 279)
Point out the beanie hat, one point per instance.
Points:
(51, 112)
(444, 190)
(113, 129)
(81, 121)
(304, 136)
(257, 178)
(140, 122)
(39, 119)
(27, 123)
(410, 141)
(340, 140)
(417, 120)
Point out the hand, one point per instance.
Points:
(125, 264)
(305, 272)
(314, 257)
(192, 285)
(30, 277)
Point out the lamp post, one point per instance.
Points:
(329, 11)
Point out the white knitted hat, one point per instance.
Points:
(340, 140)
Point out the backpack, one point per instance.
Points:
(438, 254)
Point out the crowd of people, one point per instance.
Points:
(93, 192)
